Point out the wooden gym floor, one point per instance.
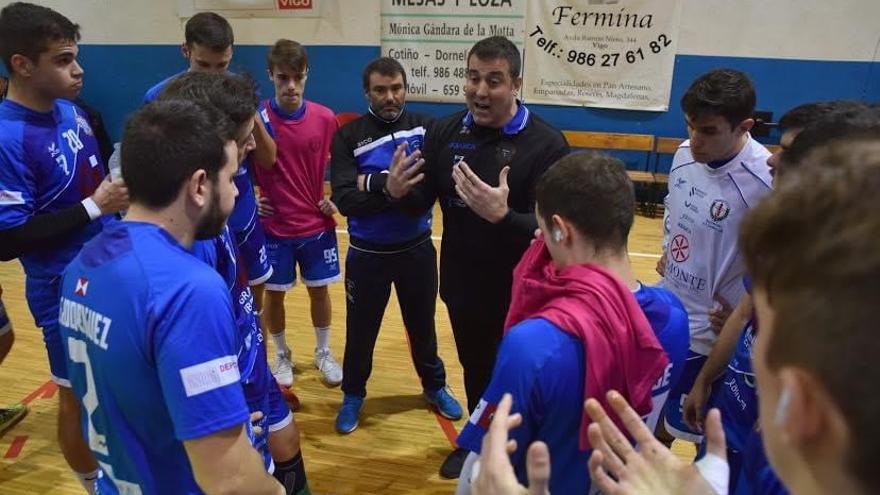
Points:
(397, 449)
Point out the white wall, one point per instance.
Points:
(800, 29)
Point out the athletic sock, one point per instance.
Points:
(280, 342)
(322, 338)
(89, 480)
(292, 475)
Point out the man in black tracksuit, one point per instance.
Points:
(483, 164)
(390, 242)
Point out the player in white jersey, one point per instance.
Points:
(716, 176)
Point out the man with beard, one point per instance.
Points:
(388, 244)
(138, 309)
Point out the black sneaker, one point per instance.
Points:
(451, 468)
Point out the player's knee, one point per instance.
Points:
(318, 292)
(284, 444)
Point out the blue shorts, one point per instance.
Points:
(317, 257)
(5, 324)
(674, 409)
(249, 234)
(44, 297)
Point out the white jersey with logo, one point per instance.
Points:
(703, 211)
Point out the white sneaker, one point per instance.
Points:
(283, 369)
(326, 363)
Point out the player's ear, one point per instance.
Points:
(197, 188)
(184, 50)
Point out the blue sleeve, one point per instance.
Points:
(264, 116)
(17, 183)
(516, 372)
(197, 360)
(205, 250)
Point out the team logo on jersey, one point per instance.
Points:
(53, 150)
(83, 124)
(680, 248)
(82, 286)
(719, 210)
(504, 153)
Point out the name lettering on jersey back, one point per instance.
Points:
(662, 382)
(93, 325)
(210, 375)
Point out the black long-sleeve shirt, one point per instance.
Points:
(476, 253)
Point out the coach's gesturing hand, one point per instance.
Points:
(404, 173)
(486, 201)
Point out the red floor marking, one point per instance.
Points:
(15, 447)
(448, 429)
(445, 424)
(44, 391)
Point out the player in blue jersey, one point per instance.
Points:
(585, 205)
(138, 308)
(208, 47)
(53, 193)
(235, 97)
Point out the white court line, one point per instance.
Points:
(633, 254)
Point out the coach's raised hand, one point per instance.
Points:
(486, 201)
(111, 196)
(404, 172)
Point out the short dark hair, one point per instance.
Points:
(498, 47)
(850, 123)
(27, 29)
(234, 95)
(814, 246)
(209, 30)
(591, 190)
(803, 115)
(385, 66)
(288, 53)
(164, 143)
(725, 92)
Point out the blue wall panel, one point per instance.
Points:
(118, 75)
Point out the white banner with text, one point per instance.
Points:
(601, 53)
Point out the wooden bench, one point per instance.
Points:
(621, 142)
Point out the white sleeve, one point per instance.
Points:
(468, 473)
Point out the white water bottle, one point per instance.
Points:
(115, 162)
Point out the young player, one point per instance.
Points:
(300, 228)
(131, 303)
(53, 193)
(716, 176)
(575, 304)
(208, 47)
